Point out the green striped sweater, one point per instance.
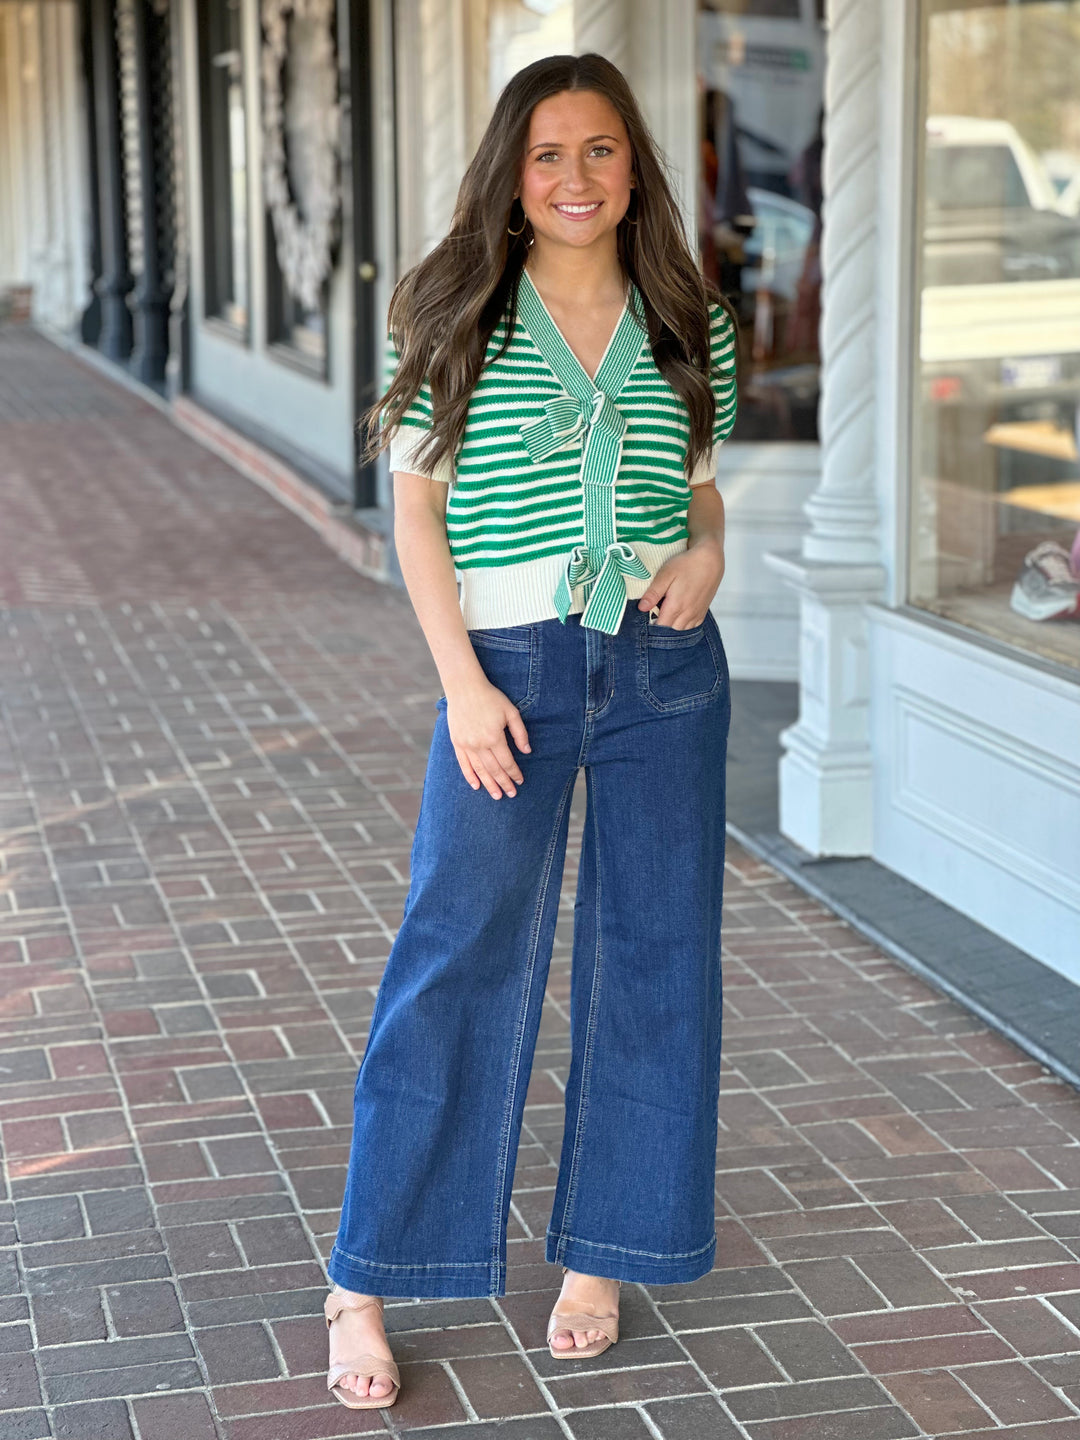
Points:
(516, 507)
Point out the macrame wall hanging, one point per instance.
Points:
(302, 141)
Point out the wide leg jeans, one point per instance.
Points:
(440, 1091)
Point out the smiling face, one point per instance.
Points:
(577, 173)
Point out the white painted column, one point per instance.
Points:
(432, 120)
(10, 259)
(826, 770)
(58, 256)
(42, 179)
(661, 66)
(34, 157)
(77, 177)
(603, 26)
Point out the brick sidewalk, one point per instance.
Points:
(212, 739)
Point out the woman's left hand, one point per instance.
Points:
(686, 584)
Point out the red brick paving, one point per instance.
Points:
(213, 737)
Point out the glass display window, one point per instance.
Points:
(224, 163)
(995, 517)
(297, 331)
(761, 73)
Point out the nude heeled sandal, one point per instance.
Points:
(579, 1320)
(361, 1364)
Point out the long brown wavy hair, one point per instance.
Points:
(443, 311)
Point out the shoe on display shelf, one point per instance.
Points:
(1047, 587)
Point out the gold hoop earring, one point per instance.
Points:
(626, 217)
(524, 222)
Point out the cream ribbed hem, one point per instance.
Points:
(521, 594)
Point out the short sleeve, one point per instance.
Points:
(722, 379)
(414, 429)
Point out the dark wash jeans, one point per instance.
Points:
(441, 1088)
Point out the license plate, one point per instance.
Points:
(1035, 372)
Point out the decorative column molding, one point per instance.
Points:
(116, 279)
(843, 511)
(153, 108)
(89, 320)
(826, 770)
(178, 361)
(603, 26)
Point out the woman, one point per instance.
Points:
(561, 362)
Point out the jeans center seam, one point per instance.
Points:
(523, 1009)
(590, 1031)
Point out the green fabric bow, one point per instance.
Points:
(604, 571)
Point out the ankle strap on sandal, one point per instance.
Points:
(337, 1301)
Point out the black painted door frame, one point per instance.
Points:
(357, 59)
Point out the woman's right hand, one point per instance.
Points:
(477, 713)
(478, 716)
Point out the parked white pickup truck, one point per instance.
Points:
(1000, 334)
(992, 212)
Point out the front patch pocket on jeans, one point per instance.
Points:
(679, 669)
(507, 656)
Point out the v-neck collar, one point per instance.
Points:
(623, 347)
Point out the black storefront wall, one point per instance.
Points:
(357, 59)
(137, 313)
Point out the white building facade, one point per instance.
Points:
(43, 173)
(880, 556)
(891, 191)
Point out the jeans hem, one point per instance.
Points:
(588, 1257)
(441, 1282)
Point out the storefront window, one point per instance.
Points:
(225, 205)
(298, 332)
(761, 66)
(996, 498)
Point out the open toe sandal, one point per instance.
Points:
(579, 1320)
(359, 1364)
